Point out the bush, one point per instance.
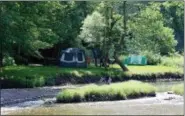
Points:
(152, 58)
(116, 91)
(8, 61)
(50, 81)
(173, 61)
(22, 82)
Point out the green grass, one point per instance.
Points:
(116, 91)
(151, 69)
(35, 76)
(22, 71)
(178, 89)
(46, 70)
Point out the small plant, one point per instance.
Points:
(50, 81)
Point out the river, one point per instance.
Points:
(163, 104)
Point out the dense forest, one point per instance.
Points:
(36, 32)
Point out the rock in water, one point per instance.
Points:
(48, 102)
(170, 92)
(169, 98)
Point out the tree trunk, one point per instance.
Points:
(125, 17)
(96, 62)
(1, 57)
(107, 60)
(1, 62)
(1, 42)
(117, 60)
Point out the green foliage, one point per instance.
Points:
(93, 29)
(28, 27)
(103, 28)
(50, 81)
(148, 28)
(116, 91)
(173, 61)
(150, 33)
(178, 89)
(152, 58)
(24, 29)
(22, 82)
(8, 61)
(173, 12)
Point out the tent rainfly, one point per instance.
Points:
(135, 60)
(73, 57)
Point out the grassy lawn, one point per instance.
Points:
(150, 69)
(178, 89)
(22, 71)
(35, 76)
(116, 91)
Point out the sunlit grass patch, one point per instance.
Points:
(178, 89)
(116, 91)
(150, 69)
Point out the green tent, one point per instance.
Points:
(135, 59)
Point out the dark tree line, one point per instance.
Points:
(37, 31)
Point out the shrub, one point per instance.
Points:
(8, 61)
(173, 61)
(22, 82)
(50, 80)
(152, 58)
(39, 82)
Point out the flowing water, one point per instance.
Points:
(163, 86)
(163, 104)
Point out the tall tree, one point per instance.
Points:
(122, 39)
(101, 31)
(150, 33)
(173, 12)
(25, 30)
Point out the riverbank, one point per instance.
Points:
(32, 76)
(163, 103)
(13, 96)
